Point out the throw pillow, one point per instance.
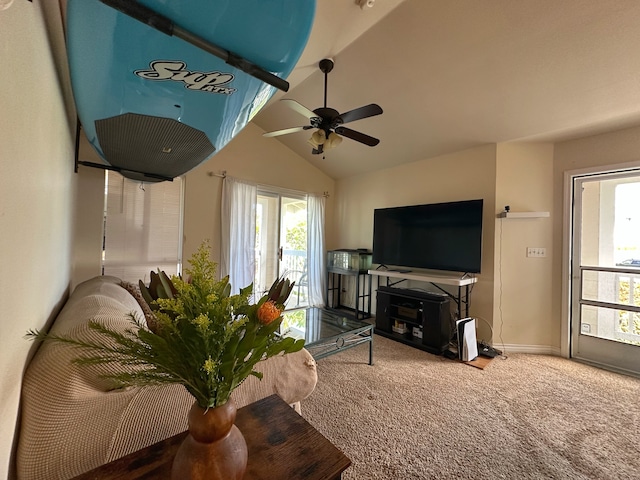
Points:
(134, 290)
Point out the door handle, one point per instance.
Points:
(280, 254)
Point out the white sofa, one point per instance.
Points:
(72, 420)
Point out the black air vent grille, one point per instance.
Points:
(156, 145)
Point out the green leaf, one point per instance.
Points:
(145, 293)
(246, 290)
(153, 284)
(169, 289)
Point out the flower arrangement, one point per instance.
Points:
(203, 337)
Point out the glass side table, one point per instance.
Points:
(326, 332)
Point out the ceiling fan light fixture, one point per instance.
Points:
(332, 141)
(317, 138)
(365, 3)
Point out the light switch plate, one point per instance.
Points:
(536, 252)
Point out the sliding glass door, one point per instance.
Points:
(605, 282)
(281, 243)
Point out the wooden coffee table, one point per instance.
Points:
(281, 444)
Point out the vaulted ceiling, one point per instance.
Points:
(455, 74)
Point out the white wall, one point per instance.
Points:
(36, 192)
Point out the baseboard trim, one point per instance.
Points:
(508, 348)
(606, 366)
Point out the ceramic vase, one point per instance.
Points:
(214, 448)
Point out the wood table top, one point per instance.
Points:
(281, 446)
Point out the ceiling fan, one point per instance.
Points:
(328, 122)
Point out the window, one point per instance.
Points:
(142, 227)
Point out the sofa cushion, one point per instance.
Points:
(104, 301)
(78, 309)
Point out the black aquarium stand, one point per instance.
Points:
(362, 301)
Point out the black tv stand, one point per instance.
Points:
(416, 318)
(436, 279)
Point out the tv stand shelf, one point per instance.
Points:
(462, 282)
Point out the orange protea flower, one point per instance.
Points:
(268, 312)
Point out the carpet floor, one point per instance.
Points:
(413, 415)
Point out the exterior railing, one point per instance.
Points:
(293, 266)
(294, 261)
(614, 297)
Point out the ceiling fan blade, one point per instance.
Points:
(301, 109)
(357, 136)
(358, 113)
(286, 131)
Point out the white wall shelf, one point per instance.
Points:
(523, 214)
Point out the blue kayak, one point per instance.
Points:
(162, 85)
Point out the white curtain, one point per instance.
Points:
(316, 269)
(238, 242)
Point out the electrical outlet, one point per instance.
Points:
(536, 252)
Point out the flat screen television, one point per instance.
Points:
(437, 236)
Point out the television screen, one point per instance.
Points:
(438, 236)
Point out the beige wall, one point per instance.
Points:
(522, 313)
(513, 294)
(36, 193)
(463, 175)
(249, 157)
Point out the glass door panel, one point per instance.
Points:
(267, 242)
(281, 244)
(605, 308)
(293, 237)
